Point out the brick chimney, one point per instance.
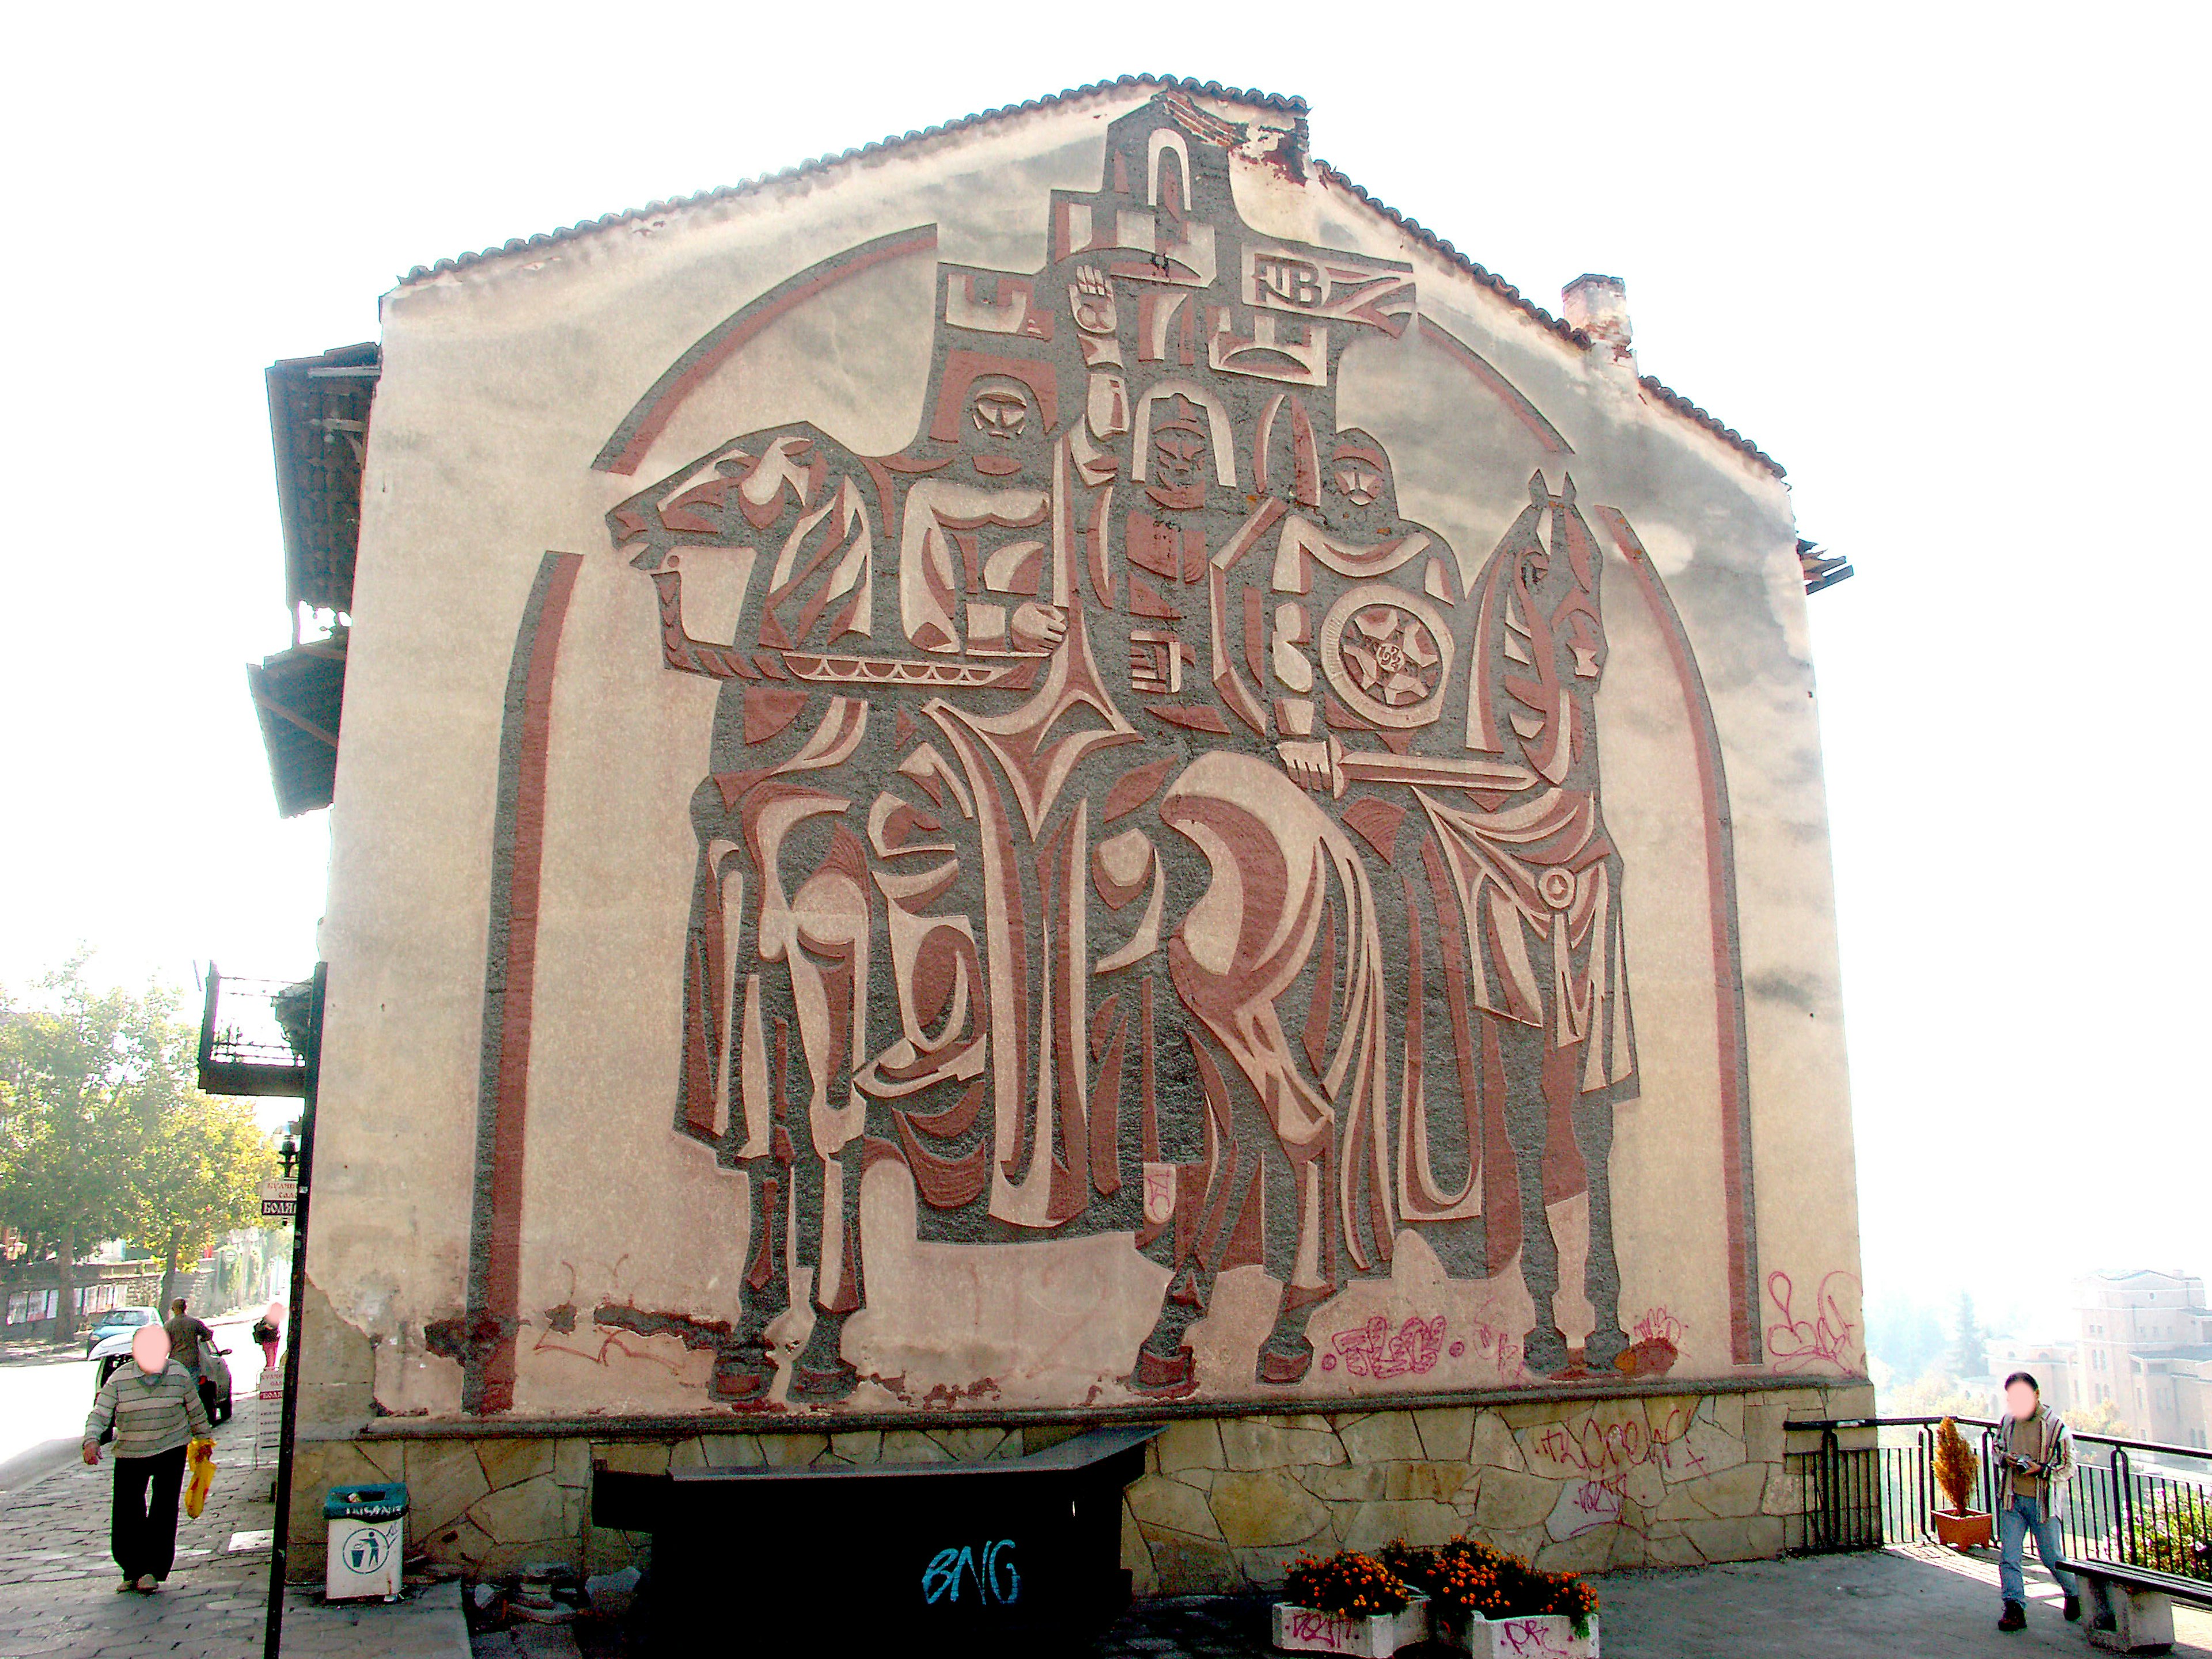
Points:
(1599, 307)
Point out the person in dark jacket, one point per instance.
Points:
(153, 1405)
(185, 1335)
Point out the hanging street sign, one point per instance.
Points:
(280, 1199)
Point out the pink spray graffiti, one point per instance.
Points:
(1804, 1343)
(1374, 1350)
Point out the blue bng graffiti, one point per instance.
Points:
(993, 1578)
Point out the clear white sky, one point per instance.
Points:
(1947, 263)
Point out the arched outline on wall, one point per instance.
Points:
(1729, 1035)
(510, 982)
(1506, 392)
(634, 436)
(1305, 452)
(1166, 138)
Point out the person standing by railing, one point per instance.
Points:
(2035, 1451)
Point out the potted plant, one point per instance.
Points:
(1489, 1603)
(1956, 1471)
(1349, 1603)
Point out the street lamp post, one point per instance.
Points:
(302, 1151)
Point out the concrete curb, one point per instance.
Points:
(427, 1624)
(27, 1467)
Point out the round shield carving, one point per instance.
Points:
(1387, 653)
(1558, 887)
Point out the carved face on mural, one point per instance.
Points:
(1359, 473)
(1358, 497)
(1003, 426)
(1181, 456)
(1001, 413)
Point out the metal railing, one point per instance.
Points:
(2134, 1503)
(2151, 1517)
(253, 1036)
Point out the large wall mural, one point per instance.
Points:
(1124, 820)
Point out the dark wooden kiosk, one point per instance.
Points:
(937, 1556)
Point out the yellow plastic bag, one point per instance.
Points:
(200, 1458)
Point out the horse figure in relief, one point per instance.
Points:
(1124, 820)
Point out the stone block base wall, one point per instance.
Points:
(1226, 1504)
(1571, 1484)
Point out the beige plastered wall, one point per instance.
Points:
(500, 382)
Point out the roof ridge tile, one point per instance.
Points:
(1290, 105)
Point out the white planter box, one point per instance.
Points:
(1536, 1636)
(1377, 1636)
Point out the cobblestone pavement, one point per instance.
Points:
(58, 1581)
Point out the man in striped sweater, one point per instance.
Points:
(2035, 1463)
(154, 1405)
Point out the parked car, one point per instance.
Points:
(215, 1371)
(125, 1321)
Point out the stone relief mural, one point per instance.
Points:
(1124, 820)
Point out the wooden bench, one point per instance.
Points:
(1023, 1553)
(2131, 1609)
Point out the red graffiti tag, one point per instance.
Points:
(1329, 1631)
(1600, 1449)
(1660, 1326)
(1374, 1350)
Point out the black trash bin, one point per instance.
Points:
(937, 1558)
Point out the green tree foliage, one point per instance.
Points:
(87, 1073)
(196, 1176)
(2177, 1535)
(103, 1135)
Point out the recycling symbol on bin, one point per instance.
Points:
(365, 1549)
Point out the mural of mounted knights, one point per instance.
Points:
(1209, 805)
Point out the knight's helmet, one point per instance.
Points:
(997, 395)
